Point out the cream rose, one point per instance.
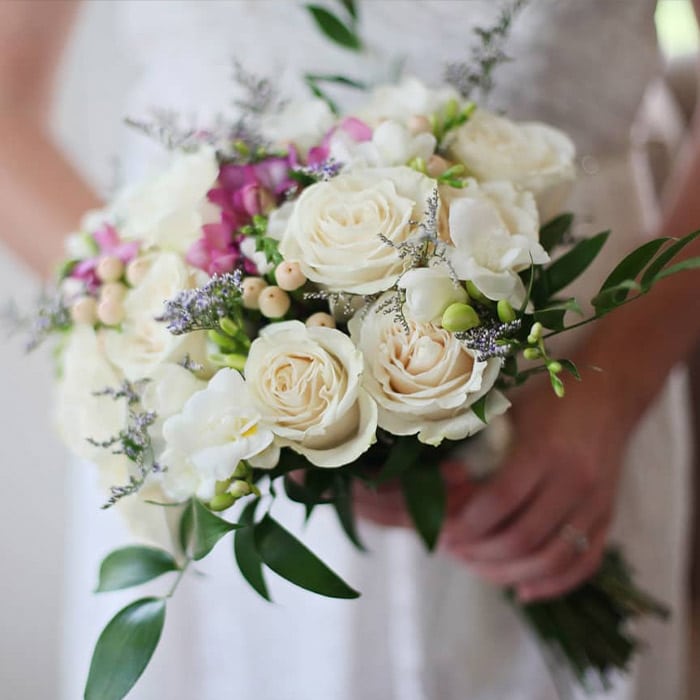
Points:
(534, 156)
(216, 429)
(405, 99)
(333, 232)
(169, 210)
(142, 344)
(306, 383)
(423, 380)
(494, 229)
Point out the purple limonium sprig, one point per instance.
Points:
(134, 441)
(50, 316)
(490, 339)
(203, 308)
(321, 171)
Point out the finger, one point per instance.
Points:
(530, 528)
(383, 506)
(583, 567)
(553, 559)
(494, 502)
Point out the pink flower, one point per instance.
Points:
(355, 128)
(109, 245)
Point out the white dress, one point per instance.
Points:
(424, 629)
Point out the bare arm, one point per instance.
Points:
(41, 195)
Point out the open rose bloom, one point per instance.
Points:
(343, 297)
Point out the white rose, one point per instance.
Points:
(217, 428)
(307, 384)
(534, 156)
(79, 413)
(424, 381)
(142, 343)
(169, 210)
(303, 123)
(391, 144)
(494, 229)
(403, 100)
(429, 291)
(333, 232)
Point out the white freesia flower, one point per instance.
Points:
(258, 258)
(534, 156)
(142, 343)
(303, 123)
(307, 384)
(333, 232)
(402, 100)
(429, 291)
(391, 144)
(217, 428)
(169, 210)
(278, 220)
(424, 381)
(494, 230)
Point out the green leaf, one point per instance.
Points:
(554, 231)
(316, 91)
(131, 566)
(664, 258)
(350, 7)
(424, 492)
(479, 408)
(612, 297)
(289, 558)
(337, 79)
(334, 28)
(632, 264)
(688, 264)
(404, 454)
(205, 531)
(552, 316)
(185, 528)
(124, 649)
(247, 557)
(570, 367)
(343, 505)
(570, 265)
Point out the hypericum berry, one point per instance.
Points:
(136, 270)
(84, 310)
(322, 319)
(110, 312)
(274, 302)
(289, 276)
(436, 166)
(109, 269)
(114, 291)
(251, 287)
(419, 124)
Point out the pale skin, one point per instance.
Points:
(507, 530)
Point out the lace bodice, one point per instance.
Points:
(580, 64)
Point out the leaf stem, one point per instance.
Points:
(178, 578)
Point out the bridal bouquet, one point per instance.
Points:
(304, 300)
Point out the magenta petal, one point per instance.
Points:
(107, 238)
(356, 129)
(126, 252)
(223, 263)
(317, 156)
(198, 255)
(216, 236)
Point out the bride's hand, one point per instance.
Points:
(540, 525)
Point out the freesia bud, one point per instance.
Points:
(531, 353)
(222, 501)
(535, 333)
(505, 311)
(460, 317)
(228, 326)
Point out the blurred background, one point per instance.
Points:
(35, 505)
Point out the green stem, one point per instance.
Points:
(178, 578)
